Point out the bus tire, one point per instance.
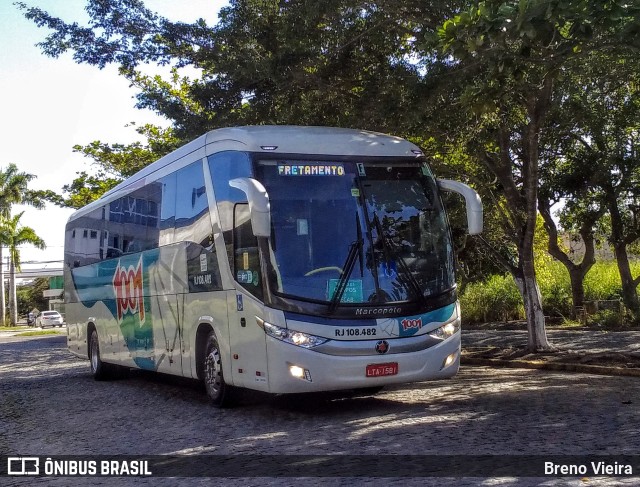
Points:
(219, 393)
(99, 369)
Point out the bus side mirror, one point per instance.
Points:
(472, 200)
(259, 206)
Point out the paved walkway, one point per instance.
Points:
(592, 341)
(581, 350)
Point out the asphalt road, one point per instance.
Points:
(50, 405)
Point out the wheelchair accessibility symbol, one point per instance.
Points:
(389, 269)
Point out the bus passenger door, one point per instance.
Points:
(247, 341)
(167, 334)
(167, 279)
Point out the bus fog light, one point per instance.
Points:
(299, 372)
(449, 360)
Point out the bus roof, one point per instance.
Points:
(274, 139)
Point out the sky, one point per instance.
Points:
(49, 105)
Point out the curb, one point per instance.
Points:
(555, 366)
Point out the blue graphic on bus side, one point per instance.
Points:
(123, 286)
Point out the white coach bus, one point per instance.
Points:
(278, 258)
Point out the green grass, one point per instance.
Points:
(497, 298)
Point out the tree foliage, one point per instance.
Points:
(338, 62)
(14, 190)
(597, 164)
(513, 56)
(14, 235)
(31, 296)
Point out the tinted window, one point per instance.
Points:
(192, 210)
(247, 261)
(134, 221)
(225, 166)
(193, 225)
(172, 210)
(167, 209)
(80, 249)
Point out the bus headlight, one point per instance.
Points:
(293, 337)
(447, 330)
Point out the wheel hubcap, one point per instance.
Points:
(212, 378)
(94, 352)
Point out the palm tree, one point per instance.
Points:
(13, 236)
(13, 191)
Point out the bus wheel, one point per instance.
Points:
(218, 391)
(99, 369)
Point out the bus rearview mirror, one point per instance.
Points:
(472, 200)
(259, 206)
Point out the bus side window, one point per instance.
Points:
(223, 167)
(245, 246)
(192, 220)
(166, 225)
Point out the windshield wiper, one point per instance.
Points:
(390, 250)
(355, 250)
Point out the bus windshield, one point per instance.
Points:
(356, 232)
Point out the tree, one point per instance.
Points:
(587, 220)
(601, 157)
(511, 56)
(13, 236)
(13, 190)
(579, 214)
(31, 296)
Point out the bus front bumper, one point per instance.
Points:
(294, 369)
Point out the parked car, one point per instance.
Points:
(49, 318)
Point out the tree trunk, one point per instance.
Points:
(577, 272)
(3, 302)
(629, 293)
(13, 301)
(576, 275)
(528, 286)
(522, 202)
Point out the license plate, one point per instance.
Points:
(380, 370)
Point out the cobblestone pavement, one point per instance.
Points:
(595, 341)
(49, 405)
